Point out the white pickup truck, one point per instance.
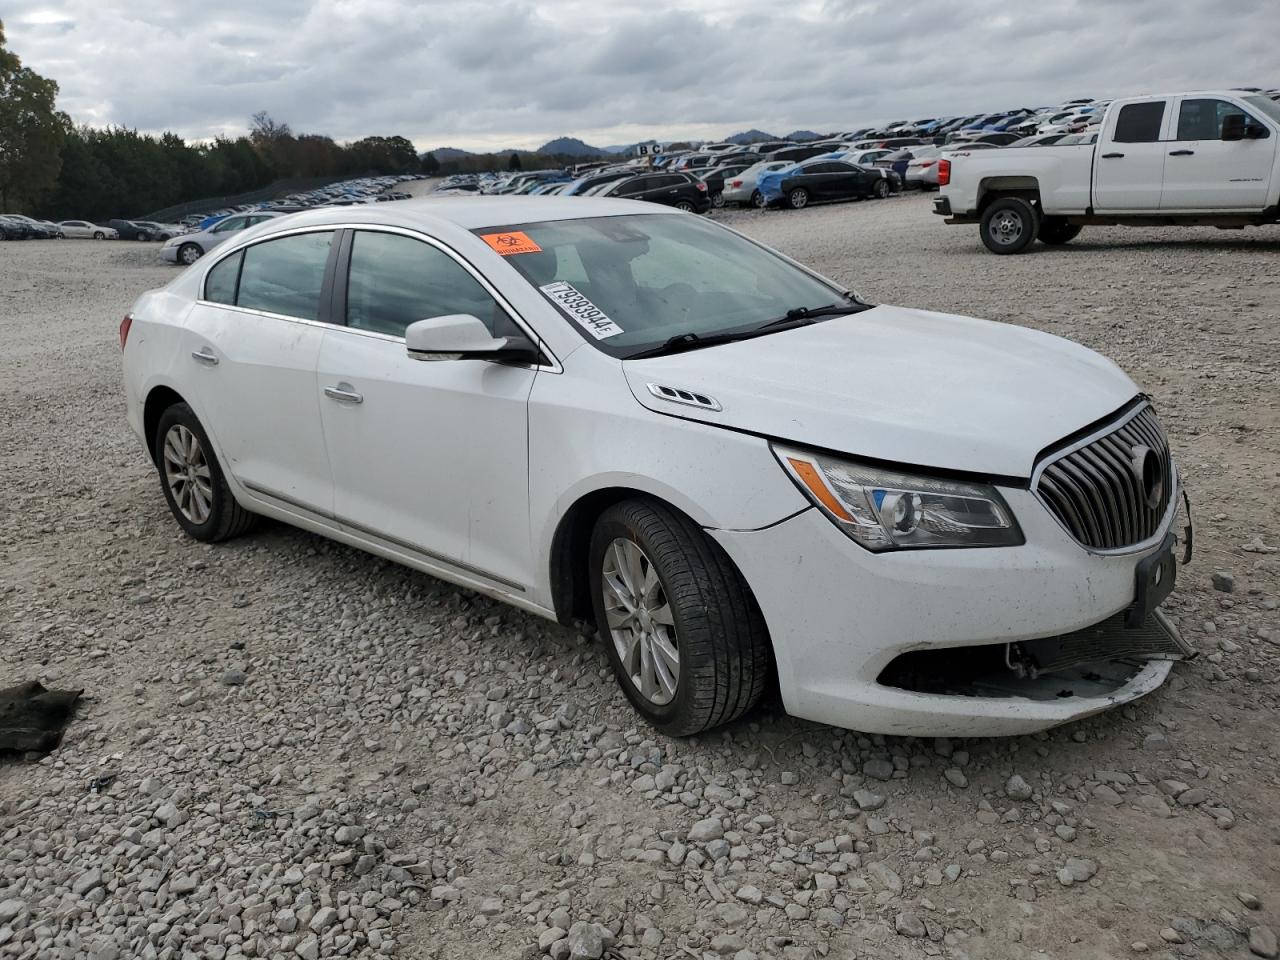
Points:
(1195, 159)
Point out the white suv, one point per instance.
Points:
(920, 523)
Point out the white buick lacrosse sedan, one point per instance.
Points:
(605, 410)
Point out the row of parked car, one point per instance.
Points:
(14, 226)
(851, 165)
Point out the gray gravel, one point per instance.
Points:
(303, 751)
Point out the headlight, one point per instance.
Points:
(885, 510)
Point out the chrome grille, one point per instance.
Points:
(1098, 490)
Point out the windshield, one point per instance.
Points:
(630, 283)
(1265, 105)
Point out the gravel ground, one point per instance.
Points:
(290, 748)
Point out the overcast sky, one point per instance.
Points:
(487, 75)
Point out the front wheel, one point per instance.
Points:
(881, 189)
(798, 198)
(1009, 225)
(1056, 230)
(681, 629)
(189, 253)
(99, 235)
(192, 479)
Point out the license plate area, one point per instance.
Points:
(1154, 581)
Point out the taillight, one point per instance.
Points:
(944, 172)
(702, 186)
(736, 184)
(125, 325)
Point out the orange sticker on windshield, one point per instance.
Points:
(511, 243)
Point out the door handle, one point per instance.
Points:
(1112, 156)
(344, 392)
(206, 356)
(1181, 153)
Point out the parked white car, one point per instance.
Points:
(923, 524)
(187, 248)
(741, 187)
(84, 230)
(1188, 159)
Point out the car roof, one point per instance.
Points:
(468, 212)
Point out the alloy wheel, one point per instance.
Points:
(641, 624)
(186, 471)
(189, 254)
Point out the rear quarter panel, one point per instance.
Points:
(1061, 175)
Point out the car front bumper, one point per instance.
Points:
(839, 615)
(169, 254)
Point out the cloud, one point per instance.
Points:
(503, 73)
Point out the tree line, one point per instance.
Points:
(52, 169)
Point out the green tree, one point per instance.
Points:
(430, 164)
(514, 163)
(32, 130)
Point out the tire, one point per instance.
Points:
(192, 479)
(717, 199)
(686, 206)
(757, 200)
(881, 189)
(189, 253)
(712, 622)
(1009, 225)
(1056, 231)
(140, 237)
(798, 198)
(99, 235)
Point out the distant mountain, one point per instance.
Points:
(449, 153)
(619, 148)
(572, 147)
(750, 136)
(801, 135)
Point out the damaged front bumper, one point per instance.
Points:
(976, 642)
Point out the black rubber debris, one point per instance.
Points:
(33, 718)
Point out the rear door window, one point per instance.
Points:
(285, 276)
(1139, 122)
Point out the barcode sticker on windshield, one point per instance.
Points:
(577, 307)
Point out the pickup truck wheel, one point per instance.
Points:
(680, 627)
(1009, 225)
(1056, 230)
(798, 198)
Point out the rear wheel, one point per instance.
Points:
(1056, 230)
(798, 198)
(757, 199)
(717, 199)
(881, 188)
(681, 629)
(193, 482)
(684, 205)
(1009, 225)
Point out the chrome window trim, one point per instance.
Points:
(552, 366)
(1162, 529)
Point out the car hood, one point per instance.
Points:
(905, 386)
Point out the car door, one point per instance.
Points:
(252, 342)
(1130, 160)
(431, 457)
(1205, 172)
(666, 189)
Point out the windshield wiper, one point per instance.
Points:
(800, 316)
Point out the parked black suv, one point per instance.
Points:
(681, 190)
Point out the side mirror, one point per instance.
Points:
(1233, 126)
(461, 336)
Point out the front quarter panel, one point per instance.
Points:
(587, 433)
